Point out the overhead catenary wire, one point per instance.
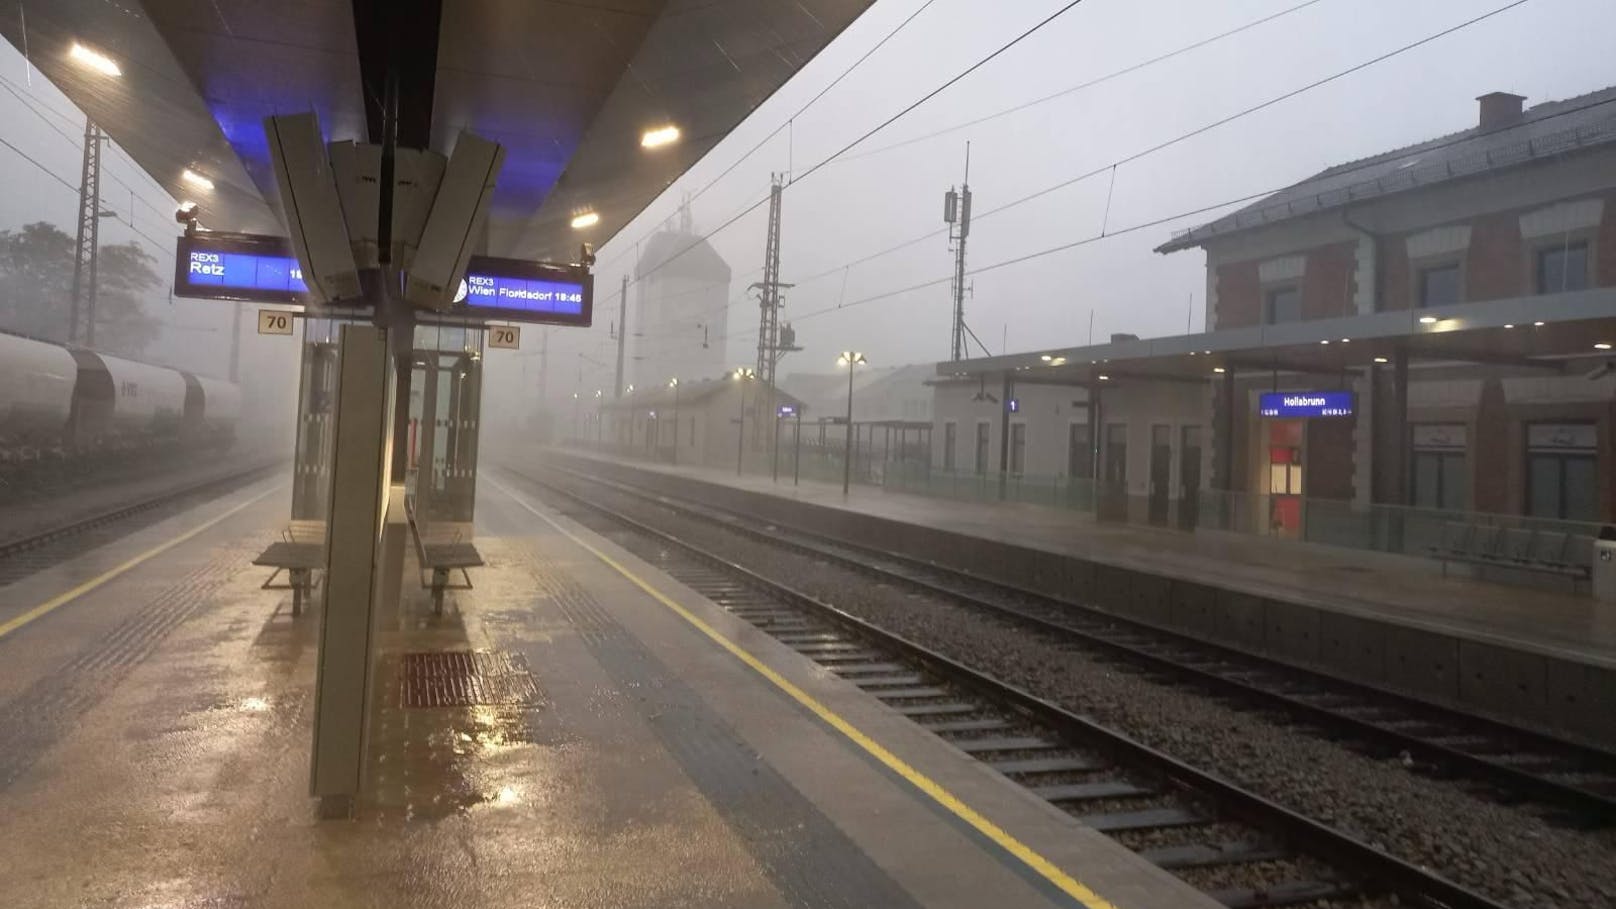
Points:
(795, 179)
(1159, 221)
(787, 124)
(1185, 136)
(1114, 74)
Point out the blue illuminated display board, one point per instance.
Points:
(1305, 404)
(220, 266)
(516, 290)
(238, 267)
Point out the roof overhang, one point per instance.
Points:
(1532, 333)
(566, 87)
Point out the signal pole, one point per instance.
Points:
(957, 212)
(89, 236)
(770, 349)
(773, 342)
(622, 335)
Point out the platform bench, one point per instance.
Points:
(1543, 551)
(300, 561)
(440, 560)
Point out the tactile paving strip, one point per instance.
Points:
(466, 679)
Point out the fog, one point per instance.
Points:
(867, 202)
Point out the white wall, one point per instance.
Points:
(1047, 411)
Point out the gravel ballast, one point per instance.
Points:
(1511, 854)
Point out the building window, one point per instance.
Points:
(1079, 451)
(1562, 268)
(981, 464)
(1018, 448)
(1439, 470)
(949, 433)
(1116, 454)
(1561, 476)
(1439, 285)
(1283, 304)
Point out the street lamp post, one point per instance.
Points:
(851, 359)
(741, 375)
(599, 415)
(673, 383)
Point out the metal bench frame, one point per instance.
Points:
(1489, 545)
(301, 580)
(440, 573)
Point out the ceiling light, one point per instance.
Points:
(1326, 341)
(196, 179)
(1058, 361)
(1105, 378)
(1046, 358)
(1537, 324)
(1380, 360)
(662, 135)
(1346, 340)
(1427, 320)
(1218, 369)
(1601, 346)
(95, 60)
(1509, 324)
(585, 220)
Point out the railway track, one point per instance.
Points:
(20, 549)
(1242, 850)
(1576, 782)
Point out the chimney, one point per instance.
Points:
(1499, 109)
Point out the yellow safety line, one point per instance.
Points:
(84, 588)
(1046, 869)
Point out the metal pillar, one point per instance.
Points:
(235, 344)
(359, 493)
(1223, 446)
(957, 212)
(769, 290)
(622, 335)
(1004, 435)
(89, 236)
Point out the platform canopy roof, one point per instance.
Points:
(567, 86)
(1548, 332)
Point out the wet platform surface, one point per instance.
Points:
(1384, 587)
(598, 747)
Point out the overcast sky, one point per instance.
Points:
(1544, 49)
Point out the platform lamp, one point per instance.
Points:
(851, 359)
(741, 374)
(673, 383)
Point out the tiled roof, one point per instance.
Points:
(1544, 131)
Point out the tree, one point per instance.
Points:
(36, 288)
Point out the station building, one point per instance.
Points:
(1427, 327)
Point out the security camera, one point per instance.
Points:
(186, 214)
(586, 254)
(1602, 370)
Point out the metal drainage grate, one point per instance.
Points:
(466, 679)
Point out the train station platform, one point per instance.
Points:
(1540, 656)
(611, 740)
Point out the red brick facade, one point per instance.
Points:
(1497, 266)
(1329, 283)
(1239, 296)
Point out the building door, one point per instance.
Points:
(1018, 448)
(1285, 477)
(949, 432)
(1438, 477)
(1562, 479)
(1189, 478)
(1079, 452)
(981, 463)
(1112, 501)
(1161, 471)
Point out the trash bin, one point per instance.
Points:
(1604, 568)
